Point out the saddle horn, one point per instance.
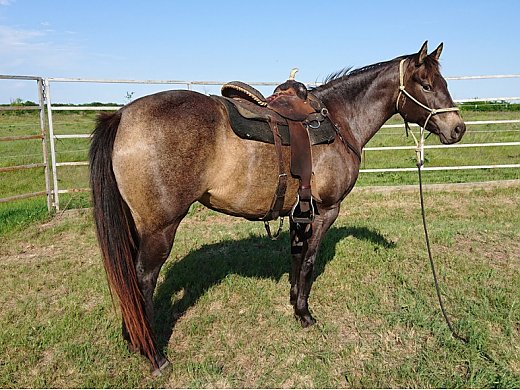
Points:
(293, 73)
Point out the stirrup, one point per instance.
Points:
(275, 236)
(304, 216)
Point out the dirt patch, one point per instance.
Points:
(500, 252)
(27, 252)
(69, 233)
(64, 216)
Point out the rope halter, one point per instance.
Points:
(433, 111)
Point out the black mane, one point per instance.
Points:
(337, 75)
(347, 73)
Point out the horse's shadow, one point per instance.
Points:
(255, 256)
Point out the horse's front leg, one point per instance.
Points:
(301, 271)
(305, 241)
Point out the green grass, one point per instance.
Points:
(18, 215)
(223, 315)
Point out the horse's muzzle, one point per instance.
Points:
(453, 133)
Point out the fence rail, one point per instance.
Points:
(21, 137)
(49, 138)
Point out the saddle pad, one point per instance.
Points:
(259, 130)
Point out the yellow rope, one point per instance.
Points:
(236, 87)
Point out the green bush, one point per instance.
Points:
(500, 105)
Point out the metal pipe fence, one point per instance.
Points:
(46, 109)
(42, 136)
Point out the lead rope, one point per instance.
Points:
(419, 152)
(432, 263)
(454, 333)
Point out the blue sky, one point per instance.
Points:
(248, 40)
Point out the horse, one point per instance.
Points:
(153, 158)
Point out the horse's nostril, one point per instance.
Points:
(459, 129)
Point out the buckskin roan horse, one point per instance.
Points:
(153, 158)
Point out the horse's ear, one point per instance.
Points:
(423, 53)
(437, 52)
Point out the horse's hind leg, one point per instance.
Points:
(305, 241)
(154, 249)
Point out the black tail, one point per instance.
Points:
(117, 236)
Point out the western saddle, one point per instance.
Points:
(292, 104)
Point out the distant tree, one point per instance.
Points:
(16, 102)
(20, 102)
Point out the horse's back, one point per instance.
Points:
(180, 114)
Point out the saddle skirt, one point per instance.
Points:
(251, 121)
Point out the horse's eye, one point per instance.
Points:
(427, 87)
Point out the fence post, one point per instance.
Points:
(41, 100)
(56, 202)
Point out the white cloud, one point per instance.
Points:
(6, 2)
(35, 51)
(11, 37)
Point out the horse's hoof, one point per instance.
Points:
(165, 365)
(131, 348)
(306, 320)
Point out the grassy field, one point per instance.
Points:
(224, 318)
(223, 312)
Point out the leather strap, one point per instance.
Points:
(290, 107)
(279, 196)
(301, 159)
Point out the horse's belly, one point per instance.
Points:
(251, 200)
(250, 193)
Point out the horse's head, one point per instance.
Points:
(424, 98)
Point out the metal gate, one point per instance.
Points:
(42, 136)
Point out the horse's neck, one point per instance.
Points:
(364, 101)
